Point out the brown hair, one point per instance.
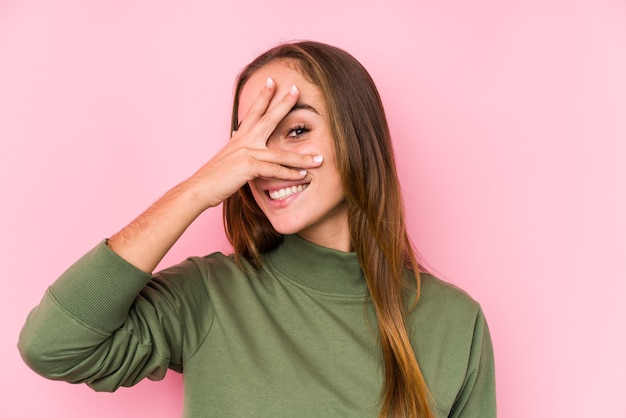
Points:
(365, 160)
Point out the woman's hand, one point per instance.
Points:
(246, 155)
(147, 239)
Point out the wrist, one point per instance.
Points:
(190, 195)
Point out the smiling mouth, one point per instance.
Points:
(284, 193)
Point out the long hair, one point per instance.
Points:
(378, 233)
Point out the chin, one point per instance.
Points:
(286, 229)
(287, 225)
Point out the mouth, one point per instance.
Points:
(285, 192)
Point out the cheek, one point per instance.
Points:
(317, 146)
(329, 179)
(256, 193)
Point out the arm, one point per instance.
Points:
(108, 324)
(93, 324)
(477, 397)
(145, 241)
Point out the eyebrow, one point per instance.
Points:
(303, 106)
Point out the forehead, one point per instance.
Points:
(285, 73)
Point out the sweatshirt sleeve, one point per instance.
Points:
(477, 398)
(108, 324)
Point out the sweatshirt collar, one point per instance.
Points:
(318, 268)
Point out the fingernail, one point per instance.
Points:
(318, 158)
(303, 173)
(294, 90)
(269, 82)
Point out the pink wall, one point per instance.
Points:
(509, 118)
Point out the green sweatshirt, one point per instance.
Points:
(295, 338)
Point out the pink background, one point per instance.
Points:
(509, 122)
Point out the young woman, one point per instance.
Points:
(321, 311)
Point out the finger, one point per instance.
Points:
(272, 117)
(276, 171)
(259, 106)
(288, 159)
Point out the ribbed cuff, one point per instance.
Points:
(99, 288)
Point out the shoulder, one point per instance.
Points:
(218, 264)
(222, 273)
(197, 274)
(438, 294)
(445, 309)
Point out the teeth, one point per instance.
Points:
(281, 194)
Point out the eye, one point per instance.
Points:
(297, 131)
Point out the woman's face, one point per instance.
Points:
(313, 207)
